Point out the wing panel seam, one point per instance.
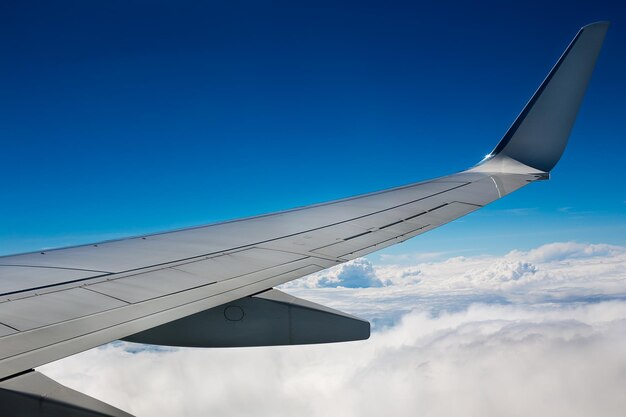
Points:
(223, 252)
(143, 316)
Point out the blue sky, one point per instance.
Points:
(134, 117)
(128, 117)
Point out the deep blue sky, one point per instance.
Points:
(119, 118)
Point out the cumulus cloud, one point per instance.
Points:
(571, 250)
(537, 332)
(560, 270)
(483, 361)
(358, 273)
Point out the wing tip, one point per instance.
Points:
(539, 135)
(598, 24)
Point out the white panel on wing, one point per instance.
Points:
(29, 313)
(481, 192)
(378, 220)
(401, 228)
(509, 183)
(318, 238)
(410, 211)
(5, 330)
(403, 195)
(119, 256)
(150, 285)
(449, 212)
(22, 278)
(238, 263)
(354, 244)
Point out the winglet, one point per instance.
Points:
(539, 135)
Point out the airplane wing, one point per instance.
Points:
(213, 285)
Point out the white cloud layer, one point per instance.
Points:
(529, 333)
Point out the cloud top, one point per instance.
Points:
(538, 332)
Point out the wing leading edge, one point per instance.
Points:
(60, 302)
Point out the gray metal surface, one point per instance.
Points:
(15, 278)
(26, 313)
(149, 285)
(5, 330)
(66, 318)
(271, 318)
(35, 395)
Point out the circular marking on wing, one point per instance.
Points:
(234, 313)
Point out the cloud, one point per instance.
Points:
(568, 250)
(358, 273)
(484, 361)
(556, 272)
(538, 332)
